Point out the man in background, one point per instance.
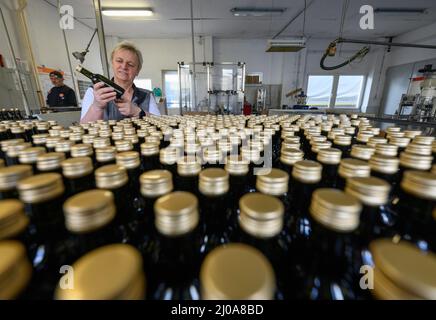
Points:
(60, 95)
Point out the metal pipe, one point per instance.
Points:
(293, 19)
(388, 44)
(194, 93)
(73, 76)
(17, 72)
(23, 20)
(101, 39)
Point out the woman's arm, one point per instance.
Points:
(95, 101)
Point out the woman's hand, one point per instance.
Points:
(127, 108)
(103, 95)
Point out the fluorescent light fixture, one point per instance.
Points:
(127, 12)
(286, 45)
(256, 12)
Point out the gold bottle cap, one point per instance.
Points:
(394, 135)
(14, 150)
(393, 129)
(329, 156)
(11, 142)
(274, 182)
(16, 130)
(350, 130)
(41, 187)
(51, 141)
(371, 191)
(349, 168)
(13, 220)
(295, 139)
(307, 171)
(362, 152)
(386, 150)
(133, 138)
(236, 165)
(290, 156)
(2, 163)
(15, 269)
(176, 213)
(402, 271)
(43, 126)
(128, 159)
(169, 155)
(420, 149)
(123, 145)
(149, 149)
(112, 272)
(335, 209)
(77, 167)
(81, 150)
(364, 136)
(64, 146)
(156, 183)
(317, 146)
(10, 176)
(261, 215)
(117, 135)
(415, 162)
(424, 139)
(401, 142)
(101, 143)
(420, 184)
(412, 133)
(213, 182)
(384, 164)
(192, 148)
(250, 153)
(237, 272)
(75, 136)
(89, 211)
(30, 155)
(317, 139)
(290, 145)
(212, 155)
(188, 166)
(105, 154)
(342, 140)
(111, 176)
(373, 141)
(39, 139)
(50, 161)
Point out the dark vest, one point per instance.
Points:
(140, 96)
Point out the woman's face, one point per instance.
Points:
(125, 65)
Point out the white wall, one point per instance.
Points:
(9, 15)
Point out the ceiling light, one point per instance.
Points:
(257, 12)
(286, 45)
(127, 12)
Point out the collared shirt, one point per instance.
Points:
(137, 97)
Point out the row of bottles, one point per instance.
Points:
(307, 225)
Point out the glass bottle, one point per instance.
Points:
(105, 156)
(89, 219)
(50, 162)
(330, 159)
(361, 152)
(43, 196)
(325, 269)
(386, 149)
(65, 147)
(343, 143)
(237, 272)
(9, 178)
(78, 175)
(417, 199)
(168, 159)
(14, 222)
(400, 142)
(83, 150)
(349, 168)
(50, 143)
(215, 210)
(29, 156)
(13, 151)
(188, 169)
(176, 246)
(96, 269)
(149, 156)
(261, 225)
(5, 145)
(95, 77)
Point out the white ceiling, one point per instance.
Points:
(323, 19)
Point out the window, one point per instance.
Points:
(143, 83)
(171, 88)
(349, 91)
(338, 91)
(319, 91)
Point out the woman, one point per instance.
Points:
(100, 102)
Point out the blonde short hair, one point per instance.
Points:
(126, 45)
